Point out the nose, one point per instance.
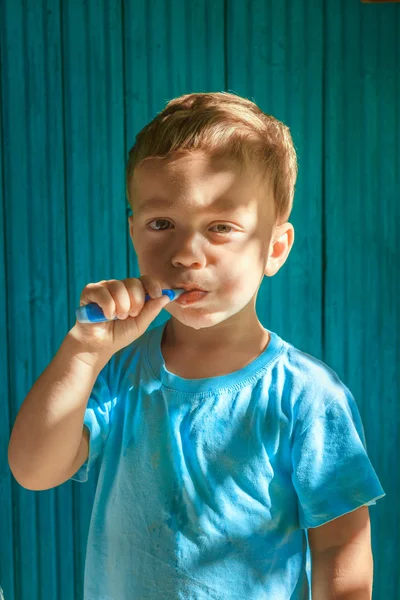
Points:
(189, 252)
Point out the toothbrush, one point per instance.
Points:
(92, 313)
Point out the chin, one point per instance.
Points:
(198, 320)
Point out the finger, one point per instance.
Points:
(121, 296)
(150, 311)
(151, 285)
(136, 293)
(98, 293)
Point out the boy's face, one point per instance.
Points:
(212, 226)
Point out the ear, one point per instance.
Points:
(281, 244)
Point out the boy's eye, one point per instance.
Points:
(166, 221)
(159, 221)
(223, 225)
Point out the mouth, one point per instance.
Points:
(191, 296)
(192, 287)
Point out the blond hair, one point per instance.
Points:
(224, 125)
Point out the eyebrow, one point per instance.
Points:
(159, 203)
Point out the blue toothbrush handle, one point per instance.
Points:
(92, 313)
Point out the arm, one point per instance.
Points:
(341, 558)
(48, 442)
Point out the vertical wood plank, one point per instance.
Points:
(7, 567)
(17, 224)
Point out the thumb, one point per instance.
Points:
(150, 310)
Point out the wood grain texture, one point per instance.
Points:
(78, 80)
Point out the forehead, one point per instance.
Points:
(194, 180)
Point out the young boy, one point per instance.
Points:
(220, 445)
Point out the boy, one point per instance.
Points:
(220, 445)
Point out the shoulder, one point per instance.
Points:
(310, 385)
(309, 369)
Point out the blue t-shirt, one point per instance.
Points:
(207, 486)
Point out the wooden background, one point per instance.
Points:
(78, 80)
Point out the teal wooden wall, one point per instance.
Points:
(78, 80)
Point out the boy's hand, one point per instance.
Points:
(125, 300)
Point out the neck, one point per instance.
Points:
(239, 334)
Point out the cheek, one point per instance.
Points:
(147, 265)
(237, 283)
(147, 255)
(240, 280)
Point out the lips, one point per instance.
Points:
(189, 287)
(190, 297)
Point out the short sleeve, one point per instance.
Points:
(97, 420)
(332, 473)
